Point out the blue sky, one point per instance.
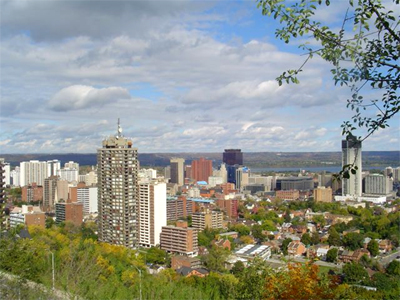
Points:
(183, 76)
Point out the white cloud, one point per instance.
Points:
(81, 96)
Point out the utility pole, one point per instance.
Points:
(140, 281)
(52, 266)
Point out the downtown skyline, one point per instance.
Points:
(183, 76)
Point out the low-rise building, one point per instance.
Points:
(178, 261)
(72, 212)
(27, 215)
(288, 194)
(251, 251)
(179, 239)
(296, 248)
(211, 220)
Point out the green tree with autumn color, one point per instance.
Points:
(364, 53)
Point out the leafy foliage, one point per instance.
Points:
(363, 53)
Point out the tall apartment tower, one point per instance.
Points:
(232, 157)
(201, 169)
(177, 171)
(2, 197)
(351, 154)
(118, 191)
(152, 211)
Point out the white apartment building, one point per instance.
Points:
(33, 171)
(152, 211)
(68, 174)
(15, 177)
(88, 197)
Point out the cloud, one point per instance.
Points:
(82, 96)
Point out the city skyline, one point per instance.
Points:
(186, 76)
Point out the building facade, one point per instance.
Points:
(351, 154)
(323, 194)
(232, 157)
(210, 220)
(71, 212)
(377, 184)
(118, 192)
(201, 169)
(152, 212)
(88, 196)
(177, 171)
(179, 239)
(27, 215)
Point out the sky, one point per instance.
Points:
(182, 76)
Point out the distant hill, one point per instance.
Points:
(251, 159)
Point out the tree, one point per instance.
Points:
(215, 259)
(393, 268)
(256, 231)
(300, 282)
(363, 52)
(334, 237)
(306, 239)
(373, 247)
(319, 220)
(331, 255)
(155, 256)
(237, 268)
(354, 273)
(285, 245)
(315, 238)
(353, 240)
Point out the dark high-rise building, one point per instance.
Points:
(118, 191)
(233, 157)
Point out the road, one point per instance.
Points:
(385, 260)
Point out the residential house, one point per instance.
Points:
(296, 248)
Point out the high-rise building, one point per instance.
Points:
(71, 165)
(322, 194)
(52, 167)
(377, 184)
(396, 174)
(351, 154)
(2, 197)
(32, 193)
(388, 172)
(87, 195)
(49, 193)
(201, 169)
(68, 174)
(152, 212)
(177, 171)
(15, 177)
(118, 192)
(33, 171)
(233, 157)
(210, 220)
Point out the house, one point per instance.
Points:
(232, 260)
(385, 246)
(178, 261)
(334, 219)
(223, 243)
(188, 272)
(351, 231)
(298, 229)
(155, 269)
(349, 256)
(296, 248)
(232, 234)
